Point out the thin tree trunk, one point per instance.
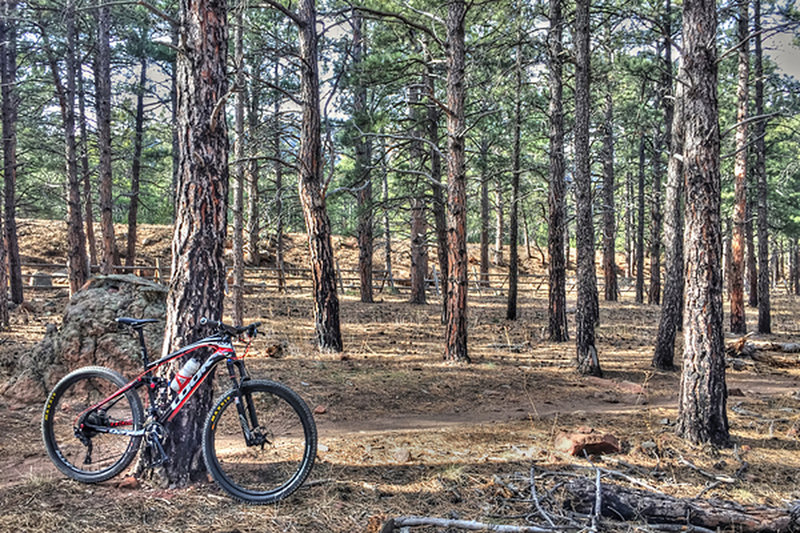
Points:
(513, 230)
(136, 165)
(764, 318)
(8, 67)
(439, 204)
(312, 195)
(456, 329)
(752, 269)
(103, 105)
(387, 232)
(363, 165)
(198, 269)
(499, 224)
(630, 220)
(174, 109)
(736, 279)
(557, 285)
(609, 215)
(587, 313)
(253, 256)
(671, 315)
(484, 170)
(419, 252)
(640, 225)
(702, 415)
(239, 169)
(87, 179)
(656, 216)
(279, 215)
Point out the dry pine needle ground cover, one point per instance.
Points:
(402, 433)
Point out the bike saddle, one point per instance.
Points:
(135, 322)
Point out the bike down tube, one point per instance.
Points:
(223, 351)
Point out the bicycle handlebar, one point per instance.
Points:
(251, 330)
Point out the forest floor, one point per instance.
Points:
(404, 433)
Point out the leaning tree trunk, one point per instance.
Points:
(557, 286)
(671, 315)
(736, 279)
(239, 169)
(456, 328)
(8, 67)
(587, 313)
(103, 105)
(363, 165)
(702, 415)
(136, 165)
(764, 318)
(609, 215)
(198, 269)
(312, 194)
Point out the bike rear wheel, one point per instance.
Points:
(282, 449)
(88, 453)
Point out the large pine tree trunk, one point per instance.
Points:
(513, 223)
(587, 314)
(456, 328)
(312, 195)
(557, 285)
(609, 214)
(363, 165)
(702, 415)
(736, 279)
(764, 316)
(198, 269)
(136, 165)
(238, 173)
(671, 314)
(8, 74)
(103, 105)
(77, 262)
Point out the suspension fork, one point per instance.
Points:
(244, 404)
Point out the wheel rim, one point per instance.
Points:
(271, 470)
(108, 452)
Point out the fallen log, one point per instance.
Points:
(627, 504)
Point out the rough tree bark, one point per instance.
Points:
(671, 315)
(764, 317)
(198, 269)
(8, 75)
(557, 286)
(736, 279)
(456, 328)
(311, 188)
(363, 164)
(136, 165)
(702, 416)
(103, 106)
(587, 313)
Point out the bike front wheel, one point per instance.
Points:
(266, 455)
(84, 424)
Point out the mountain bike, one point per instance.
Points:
(259, 440)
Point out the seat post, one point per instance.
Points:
(140, 331)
